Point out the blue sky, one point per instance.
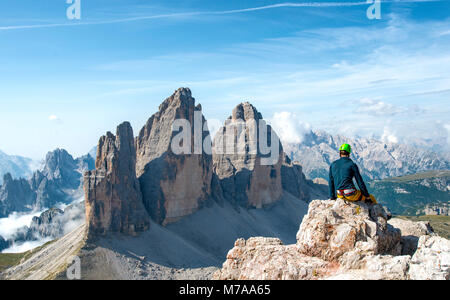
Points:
(303, 64)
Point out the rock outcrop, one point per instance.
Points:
(113, 197)
(334, 228)
(15, 195)
(339, 240)
(238, 160)
(431, 260)
(175, 185)
(411, 232)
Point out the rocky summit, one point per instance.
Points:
(248, 177)
(340, 240)
(243, 177)
(174, 185)
(112, 191)
(177, 178)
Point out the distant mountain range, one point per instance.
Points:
(376, 159)
(58, 181)
(17, 166)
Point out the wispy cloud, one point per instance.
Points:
(205, 13)
(381, 108)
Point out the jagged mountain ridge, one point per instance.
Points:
(174, 185)
(58, 181)
(376, 159)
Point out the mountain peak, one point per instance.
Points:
(112, 192)
(246, 111)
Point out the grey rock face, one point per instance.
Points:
(244, 179)
(113, 197)
(3, 244)
(376, 159)
(294, 181)
(44, 224)
(15, 195)
(173, 185)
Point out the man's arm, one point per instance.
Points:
(331, 185)
(360, 181)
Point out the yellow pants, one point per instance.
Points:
(358, 197)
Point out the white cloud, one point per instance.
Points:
(447, 127)
(289, 127)
(15, 221)
(375, 107)
(189, 14)
(25, 246)
(53, 118)
(388, 136)
(381, 108)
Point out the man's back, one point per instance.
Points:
(342, 172)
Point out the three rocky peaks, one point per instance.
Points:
(141, 178)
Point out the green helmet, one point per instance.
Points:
(346, 147)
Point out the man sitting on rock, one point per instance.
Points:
(342, 172)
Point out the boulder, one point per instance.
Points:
(431, 260)
(268, 259)
(113, 197)
(178, 184)
(411, 232)
(334, 228)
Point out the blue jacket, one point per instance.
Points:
(342, 172)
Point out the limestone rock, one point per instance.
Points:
(246, 176)
(431, 260)
(15, 195)
(294, 181)
(411, 232)
(112, 192)
(268, 259)
(174, 185)
(333, 228)
(376, 267)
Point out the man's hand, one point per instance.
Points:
(368, 200)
